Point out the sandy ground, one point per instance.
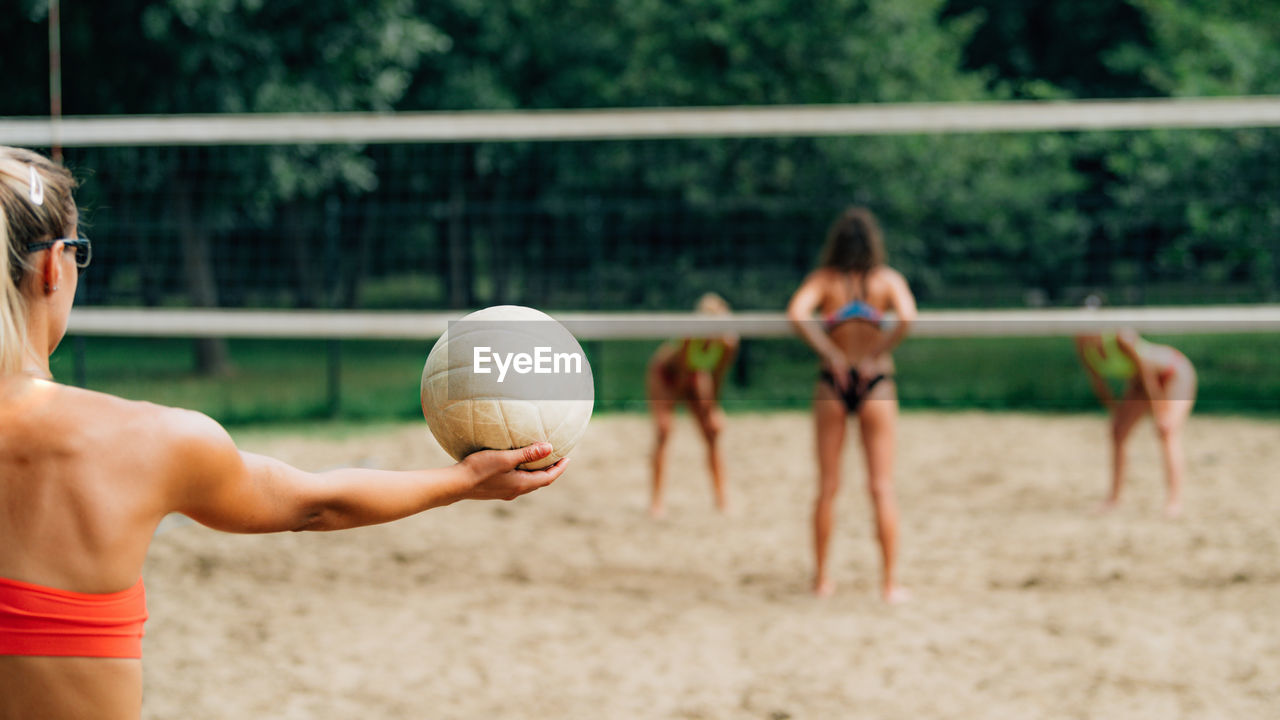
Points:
(571, 603)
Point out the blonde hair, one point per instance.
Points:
(35, 205)
(712, 304)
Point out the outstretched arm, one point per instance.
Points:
(224, 488)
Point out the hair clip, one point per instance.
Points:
(37, 187)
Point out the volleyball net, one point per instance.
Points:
(1026, 204)
(261, 226)
(427, 326)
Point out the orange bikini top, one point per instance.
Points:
(39, 620)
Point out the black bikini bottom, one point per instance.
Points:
(858, 389)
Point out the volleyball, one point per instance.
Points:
(505, 377)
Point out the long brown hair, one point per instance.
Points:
(854, 242)
(35, 205)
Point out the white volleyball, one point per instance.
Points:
(505, 377)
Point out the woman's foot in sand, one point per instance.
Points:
(823, 587)
(657, 511)
(897, 595)
(1173, 509)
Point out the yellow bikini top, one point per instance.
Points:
(702, 355)
(1110, 361)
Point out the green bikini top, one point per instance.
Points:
(1111, 362)
(703, 355)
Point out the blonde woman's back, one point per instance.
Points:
(83, 475)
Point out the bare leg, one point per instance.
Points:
(830, 421)
(662, 404)
(1124, 416)
(1171, 417)
(878, 421)
(1171, 448)
(711, 421)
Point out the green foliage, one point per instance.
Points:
(935, 194)
(213, 56)
(981, 219)
(289, 56)
(1196, 179)
(1156, 207)
(1046, 49)
(1183, 190)
(1204, 48)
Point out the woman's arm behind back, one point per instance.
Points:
(898, 299)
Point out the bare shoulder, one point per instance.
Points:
(824, 276)
(173, 440)
(823, 281)
(889, 290)
(888, 285)
(136, 415)
(194, 453)
(814, 292)
(195, 440)
(886, 276)
(667, 351)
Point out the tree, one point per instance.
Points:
(1201, 198)
(1048, 48)
(953, 205)
(210, 56)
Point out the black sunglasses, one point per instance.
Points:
(84, 250)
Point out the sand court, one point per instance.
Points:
(572, 603)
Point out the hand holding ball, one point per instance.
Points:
(505, 377)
